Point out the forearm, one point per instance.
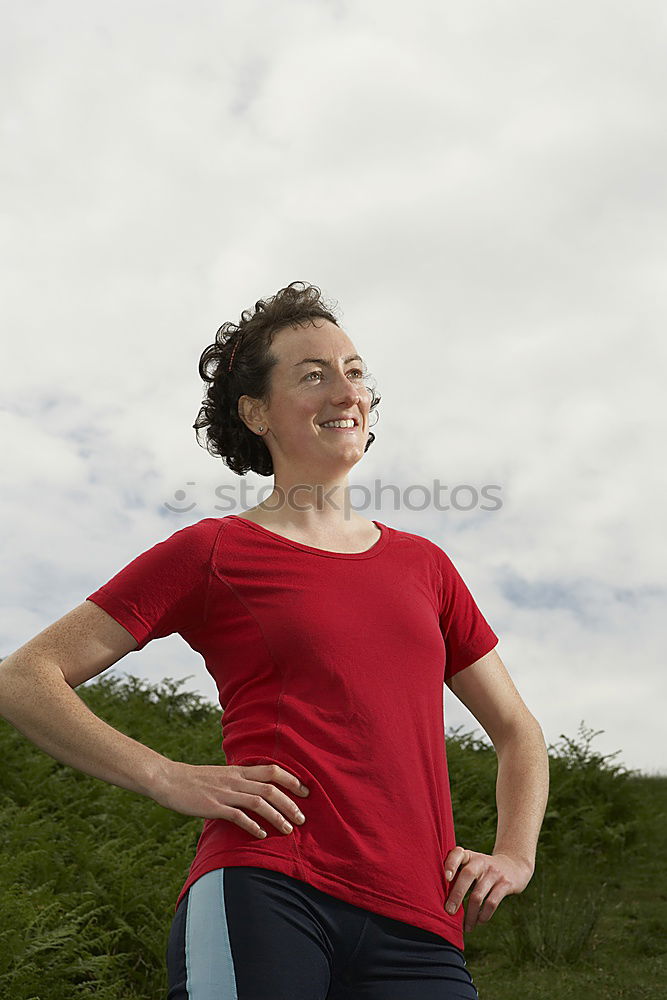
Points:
(39, 702)
(522, 789)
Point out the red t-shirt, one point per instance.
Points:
(332, 665)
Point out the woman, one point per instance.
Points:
(327, 866)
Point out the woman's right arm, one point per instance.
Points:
(37, 698)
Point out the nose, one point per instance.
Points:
(344, 391)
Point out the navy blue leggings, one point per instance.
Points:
(247, 933)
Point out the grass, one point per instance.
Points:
(89, 873)
(593, 920)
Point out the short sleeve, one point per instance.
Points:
(466, 632)
(164, 589)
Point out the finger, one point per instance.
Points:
(234, 815)
(283, 817)
(270, 801)
(484, 885)
(486, 898)
(492, 901)
(282, 803)
(261, 803)
(454, 859)
(275, 774)
(464, 879)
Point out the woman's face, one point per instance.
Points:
(318, 377)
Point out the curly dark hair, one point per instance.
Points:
(227, 437)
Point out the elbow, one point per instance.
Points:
(521, 731)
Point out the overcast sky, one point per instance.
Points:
(479, 187)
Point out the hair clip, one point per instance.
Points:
(233, 353)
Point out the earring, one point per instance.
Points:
(261, 427)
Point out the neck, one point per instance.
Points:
(313, 508)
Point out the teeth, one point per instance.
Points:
(339, 423)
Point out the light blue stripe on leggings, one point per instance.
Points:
(208, 955)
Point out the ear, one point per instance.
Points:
(251, 412)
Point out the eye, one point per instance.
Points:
(354, 371)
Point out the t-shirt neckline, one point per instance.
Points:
(375, 548)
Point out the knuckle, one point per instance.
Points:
(255, 800)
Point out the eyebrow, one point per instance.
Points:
(322, 361)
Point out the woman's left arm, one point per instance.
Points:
(522, 789)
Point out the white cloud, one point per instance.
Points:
(482, 190)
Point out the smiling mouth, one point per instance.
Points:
(350, 430)
(325, 423)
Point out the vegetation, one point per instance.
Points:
(593, 920)
(89, 873)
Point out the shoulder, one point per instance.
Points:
(432, 554)
(193, 542)
(206, 528)
(418, 543)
